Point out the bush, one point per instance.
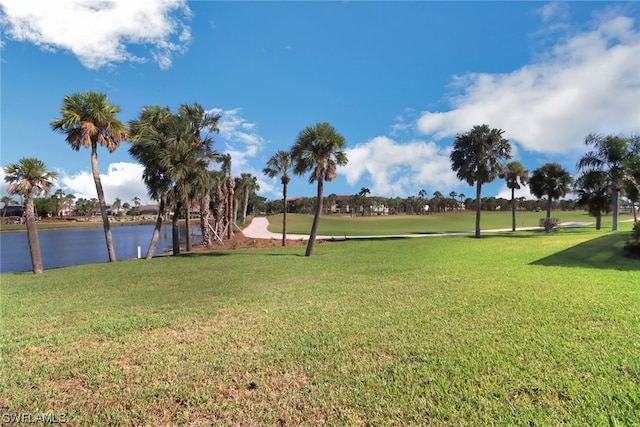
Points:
(549, 224)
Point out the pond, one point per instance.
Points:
(64, 248)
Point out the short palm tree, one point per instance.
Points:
(550, 180)
(30, 177)
(515, 175)
(610, 154)
(279, 165)
(476, 158)
(593, 192)
(318, 149)
(89, 120)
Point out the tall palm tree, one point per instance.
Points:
(515, 175)
(476, 158)
(609, 154)
(6, 201)
(318, 149)
(247, 185)
(149, 135)
(550, 180)
(279, 165)
(593, 192)
(89, 120)
(30, 177)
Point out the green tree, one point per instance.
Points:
(247, 186)
(30, 177)
(593, 192)
(476, 158)
(116, 205)
(515, 175)
(318, 149)
(610, 154)
(89, 120)
(175, 157)
(550, 180)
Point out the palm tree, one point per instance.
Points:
(550, 180)
(6, 200)
(247, 184)
(362, 198)
(30, 177)
(136, 204)
(318, 149)
(68, 201)
(116, 205)
(476, 158)
(89, 120)
(149, 135)
(59, 195)
(279, 165)
(610, 154)
(593, 192)
(514, 174)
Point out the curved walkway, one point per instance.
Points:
(258, 229)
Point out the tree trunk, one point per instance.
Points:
(204, 220)
(616, 200)
(316, 219)
(188, 228)
(284, 215)
(156, 230)
(549, 207)
(32, 235)
(246, 204)
(231, 183)
(513, 209)
(478, 206)
(175, 236)
(598, 220)
(103, 205)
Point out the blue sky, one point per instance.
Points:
(397, 79)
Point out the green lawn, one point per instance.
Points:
(340, 225)
(511, 329)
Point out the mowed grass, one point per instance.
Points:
(511, 329)
(445, 222)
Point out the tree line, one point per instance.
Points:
(183, 171)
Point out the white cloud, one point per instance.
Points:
(240, 139)
(399, 169)
(97, 32)
(505, 192)
(588, 83)
(123, 180)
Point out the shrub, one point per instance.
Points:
(549, 224)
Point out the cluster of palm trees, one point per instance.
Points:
(611, 167)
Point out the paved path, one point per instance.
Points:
(257, 229)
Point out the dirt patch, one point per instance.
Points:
(240, 241)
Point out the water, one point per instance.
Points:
(64, 248)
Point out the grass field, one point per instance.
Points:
(339, 225)
(511, 329)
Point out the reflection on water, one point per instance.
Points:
(63, 248)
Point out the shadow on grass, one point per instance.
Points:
(604, 252)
